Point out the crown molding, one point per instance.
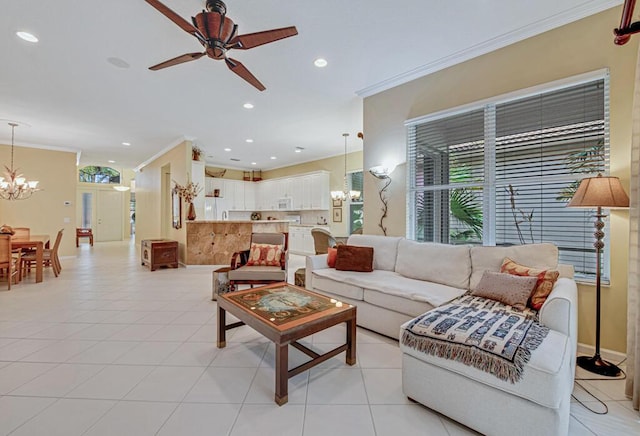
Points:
(533, 29)
(171, 145)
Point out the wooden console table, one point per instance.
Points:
(159, 252)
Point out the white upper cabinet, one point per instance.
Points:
(306, 192)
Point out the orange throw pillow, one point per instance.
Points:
(264, 255)
(332, 255)
(544, 285)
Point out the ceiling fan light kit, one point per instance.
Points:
(219, 34)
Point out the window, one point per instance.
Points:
(501, 173)
(94, 174)
(356, 212)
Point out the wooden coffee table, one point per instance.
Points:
(284, 313)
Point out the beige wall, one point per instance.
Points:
(149, 196)
(583, 46)
(45, 212)
(335, 166)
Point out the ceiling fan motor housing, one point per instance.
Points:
(217, 6)
(217, 29)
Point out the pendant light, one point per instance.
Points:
(14, 186)
(345, 193)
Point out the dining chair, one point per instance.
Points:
(49, 257)
(21, 232)
(10, 261)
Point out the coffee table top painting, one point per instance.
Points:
(282, 304)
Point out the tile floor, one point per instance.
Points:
(112, 348)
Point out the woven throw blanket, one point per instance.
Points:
(479, 332)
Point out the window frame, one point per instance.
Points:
(489, 184)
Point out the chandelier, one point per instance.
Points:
(13, 186)
(345, 193)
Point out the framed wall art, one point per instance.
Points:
(337, 214)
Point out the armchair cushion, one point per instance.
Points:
(264, 274)
(264, 255)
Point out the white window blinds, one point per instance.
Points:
(503, 172)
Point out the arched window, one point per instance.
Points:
(93, 174)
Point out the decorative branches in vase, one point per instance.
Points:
(188, 193)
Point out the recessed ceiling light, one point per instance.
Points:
(249, 140)
(126, 144)
(254, 163)
(111, 161)
(227, 149)
(320, 63)
(273, 158)
(29, 37)
(247, 106)
(299, 149)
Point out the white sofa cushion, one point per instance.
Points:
(546, 379)
(351, 284)
(544, 256)
(385, 249)
(400, 304)
(439, 263)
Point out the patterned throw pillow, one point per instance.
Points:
(332, 255)
(506, 288)
(264, 255)
(544, 285)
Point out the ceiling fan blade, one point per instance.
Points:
(178, 60)
(250, 40)
(184, 24)
(242, 71)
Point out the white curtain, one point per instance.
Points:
(633, 312)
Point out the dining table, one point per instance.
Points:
(39, 242)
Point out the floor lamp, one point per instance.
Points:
(599, 192)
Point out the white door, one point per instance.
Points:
(109, 216)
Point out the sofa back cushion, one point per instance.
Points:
(542, 256)
(439, 263)
(385, 249)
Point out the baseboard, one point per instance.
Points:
(609, 355)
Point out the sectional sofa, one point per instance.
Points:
(411, 278)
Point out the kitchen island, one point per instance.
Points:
(214, 242)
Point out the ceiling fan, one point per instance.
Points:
(218, 34)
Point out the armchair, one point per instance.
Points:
(322, 240)
(265, 262)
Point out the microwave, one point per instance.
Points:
(285, 203)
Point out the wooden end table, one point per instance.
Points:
(284, 313)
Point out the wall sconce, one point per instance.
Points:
(383, 173)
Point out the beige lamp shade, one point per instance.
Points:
(600, 192)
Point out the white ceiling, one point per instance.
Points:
(72, 98)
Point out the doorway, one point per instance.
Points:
(102, 211)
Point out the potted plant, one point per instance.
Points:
(196, 152)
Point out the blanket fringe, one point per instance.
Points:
(504, 370)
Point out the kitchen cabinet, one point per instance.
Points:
(307, 192)
(320, 191)
(300, 239)
(250, 189)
